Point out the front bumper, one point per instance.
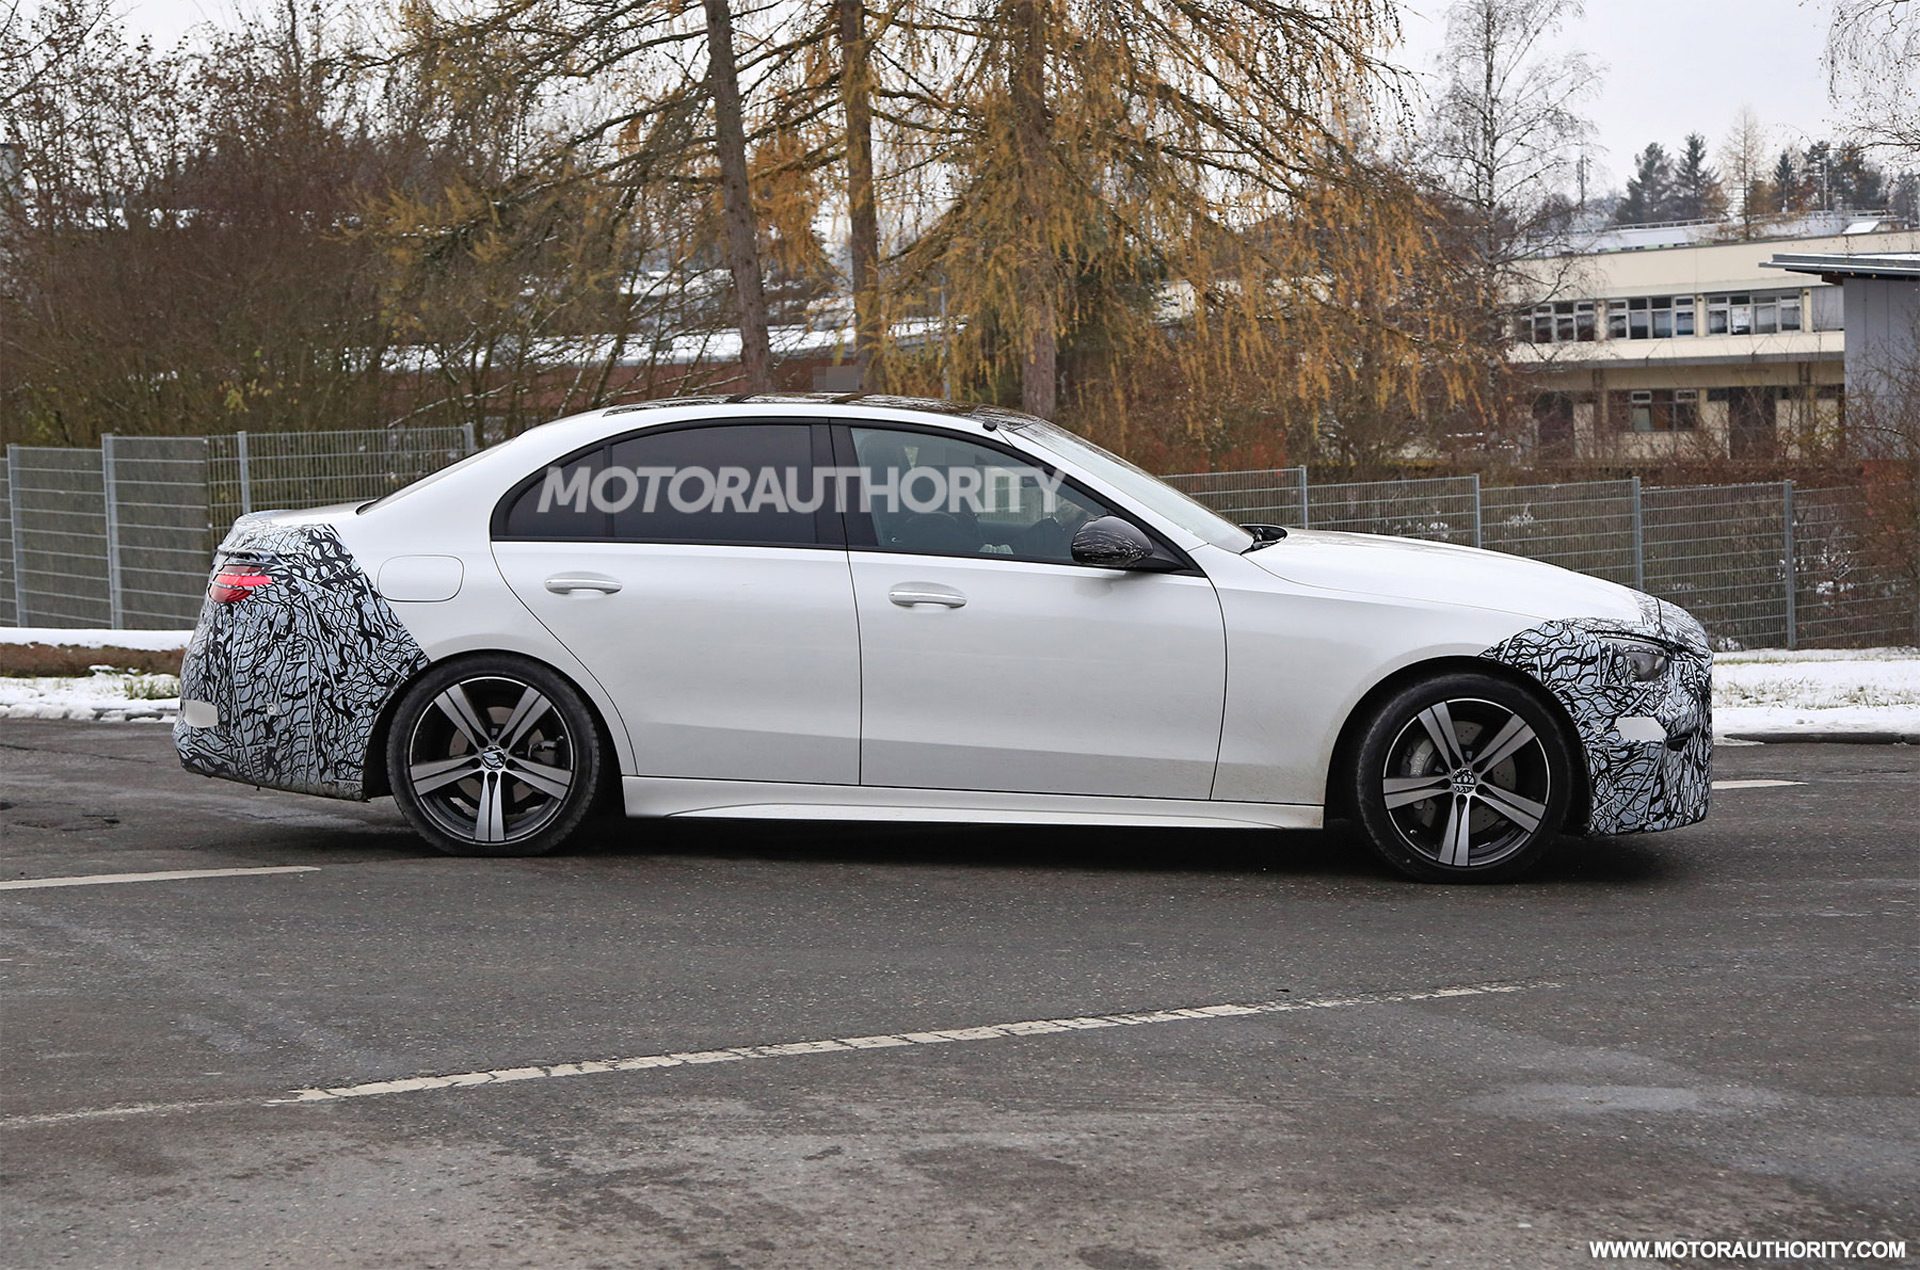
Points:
(1648, 746)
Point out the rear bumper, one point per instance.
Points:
(284, 688)
(1648, 746)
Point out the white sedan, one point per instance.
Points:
(865, 608)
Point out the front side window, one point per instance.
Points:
(938, 495)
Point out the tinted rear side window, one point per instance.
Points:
(717, 484)
(553, 507)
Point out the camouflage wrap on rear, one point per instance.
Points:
(298, 671)
(1635, 785)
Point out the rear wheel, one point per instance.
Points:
(493, 756)
(1463, 778)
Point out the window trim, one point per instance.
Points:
(846, 457)
(828, 528)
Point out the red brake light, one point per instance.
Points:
(236, 582)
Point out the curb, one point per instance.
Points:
(91, 714)
(1824, 738)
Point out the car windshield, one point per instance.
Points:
(1144, 489)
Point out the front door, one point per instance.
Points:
(725, 635)
(991, 661)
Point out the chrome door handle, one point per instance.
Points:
(908, 594)
(566, 584)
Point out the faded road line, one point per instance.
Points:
(837, 1045)
(170, 875)
(1754, 784)
(856, 1044)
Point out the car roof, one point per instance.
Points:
(977, 412)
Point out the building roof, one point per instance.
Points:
(1836, 266)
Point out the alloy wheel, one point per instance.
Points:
(1467, 783)
(490, 760)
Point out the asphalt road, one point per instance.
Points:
(1709, 1033)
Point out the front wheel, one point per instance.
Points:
(1462, 778)
(493, 756)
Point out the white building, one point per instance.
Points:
(1692, 348)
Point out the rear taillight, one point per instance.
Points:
(233, 582)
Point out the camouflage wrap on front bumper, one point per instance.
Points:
(298, 671)
(1636, 785)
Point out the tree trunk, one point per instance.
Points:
(856, 98)
(743, 244)
(1039, 372)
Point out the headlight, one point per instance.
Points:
(1646, 660)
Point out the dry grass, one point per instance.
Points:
(55, 659)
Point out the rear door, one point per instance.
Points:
(726, 633)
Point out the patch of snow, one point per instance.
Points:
(62, 637)
(1817, 690)
(103, 695)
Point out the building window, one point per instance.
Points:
(1756, 313)
(1650, 317)
(1563, 322)
(1655, 410)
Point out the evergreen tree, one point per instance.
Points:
(1789, 194)
(1696, 186)
(1857, 181)
(1650, 190)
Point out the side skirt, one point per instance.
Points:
(761, 800)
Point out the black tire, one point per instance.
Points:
(493, 755)
(1441, 815)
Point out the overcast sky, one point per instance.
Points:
(1668, 66)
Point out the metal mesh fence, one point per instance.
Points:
(9, 601)
(269, 471)
(163, 534)
(60, 552)
(1721, 552)
(1851, 588)
(1445, 509)
(1273, 496)
(124, 535)
(1588, 526)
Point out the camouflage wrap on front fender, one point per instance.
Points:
(298, 671)
(1635, 785)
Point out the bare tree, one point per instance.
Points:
(1743, 159)
(1873, 71)
(742, 239)
(1504, 139)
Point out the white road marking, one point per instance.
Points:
(170, 875)
(854, 1044)
(1754, 784)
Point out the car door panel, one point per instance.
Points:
(1041, 679)
(732, 660)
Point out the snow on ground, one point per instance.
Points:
(1754, 693)
(111, 695)
(142, 641)
(1820, 690)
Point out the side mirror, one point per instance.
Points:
(1110, 542)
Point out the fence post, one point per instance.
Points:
(466, 430)
(246, 475)
(1476, 508)
(1639, 542)
(1788, 553)
(19, 538)
(1306, 521)
(110, 501)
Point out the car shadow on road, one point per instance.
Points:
(1334, 854)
